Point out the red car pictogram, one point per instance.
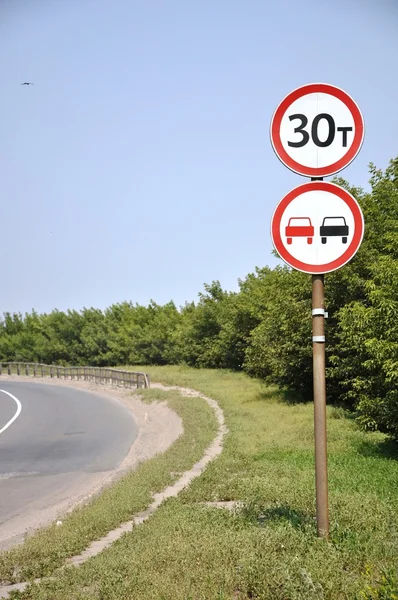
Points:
(299, 227)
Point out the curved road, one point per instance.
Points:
(57, 444)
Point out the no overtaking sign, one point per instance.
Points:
(317, 227)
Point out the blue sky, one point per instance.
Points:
(139, 165)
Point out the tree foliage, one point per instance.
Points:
(264, 328)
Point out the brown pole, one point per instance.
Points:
(318, 348)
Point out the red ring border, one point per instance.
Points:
(343, 162)
(352, 249)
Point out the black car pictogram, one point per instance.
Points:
(334, 227)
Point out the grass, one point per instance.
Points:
(267, 550)
(47, 550)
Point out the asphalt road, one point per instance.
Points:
(57, 444)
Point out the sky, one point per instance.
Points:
(138, 166)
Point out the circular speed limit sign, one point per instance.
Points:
(317, 130)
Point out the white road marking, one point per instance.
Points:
(19, 408)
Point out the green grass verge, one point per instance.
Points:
(46, 550)
(268, 550)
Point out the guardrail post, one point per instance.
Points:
(9, 368)
(18, 370)
(1, 368)
(34, 370)
(58, 372)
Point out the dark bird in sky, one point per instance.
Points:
(27, 83)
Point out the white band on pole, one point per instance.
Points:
(318, 338)
(319, 312)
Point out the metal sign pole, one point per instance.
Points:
(295, 139)
(319, 376)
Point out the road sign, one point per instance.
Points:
(317, 227)
(317, 130)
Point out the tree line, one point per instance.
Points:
(263, 329)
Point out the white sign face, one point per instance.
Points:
(317, 228)
(317, 130)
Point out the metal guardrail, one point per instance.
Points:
(129, 379)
